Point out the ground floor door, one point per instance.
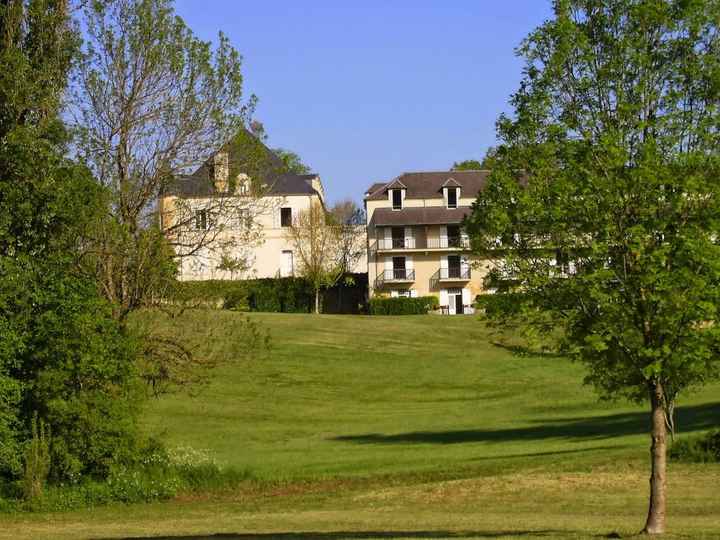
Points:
(459, 304)
(455, 301)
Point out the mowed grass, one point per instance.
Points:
(403, 427)
(350, 395)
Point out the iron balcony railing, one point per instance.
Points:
(450, 242)
(394, 275)
(452, 273)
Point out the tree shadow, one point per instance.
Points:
(694, 418)
(524, 351)
(348, 535)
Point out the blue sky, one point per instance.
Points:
(366, 90)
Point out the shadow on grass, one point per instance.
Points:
(520, 350)
(342, 535)
(601, 427)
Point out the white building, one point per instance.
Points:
(229, 218)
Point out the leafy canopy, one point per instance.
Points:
(604, 199)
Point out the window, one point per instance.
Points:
(398, 237)
(286, 268)
(242, 184)
(244, 221)
(453, 233)
(402, 293)
(201, 220)
(399, 271)
(397, 199)
(454, 268)
(286, 217)
(452, 197)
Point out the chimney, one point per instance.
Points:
(316, 184)
(220, 172)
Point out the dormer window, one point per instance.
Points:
(397, 199)
(452, 197)
(242, 184)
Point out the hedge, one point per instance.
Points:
(287, 295)
(403, 306)
(500, 303)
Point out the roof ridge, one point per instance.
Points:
(446, 171)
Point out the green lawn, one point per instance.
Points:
(412, 427)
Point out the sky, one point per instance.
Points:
(366, 90)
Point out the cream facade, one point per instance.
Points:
(416, 244)
(225, 224)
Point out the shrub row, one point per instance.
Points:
(494, 305)
(286, 295)
(700, 449)
(403, 306)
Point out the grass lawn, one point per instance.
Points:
(414, 427)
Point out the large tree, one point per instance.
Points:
(63, 358)
(604, 199)
(151, 105)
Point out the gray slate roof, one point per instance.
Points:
(424, 215)
(263, 166)
(428, 185)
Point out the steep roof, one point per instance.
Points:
(428, 185)
(247, 154)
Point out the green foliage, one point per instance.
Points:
(76, 369)
(488, 162)
(497, 305)
(37, 461)
(697, 449)
(285, 295)
(604, 204)
(62, 356)
(403, 306)
(155, 474)
(293, 163)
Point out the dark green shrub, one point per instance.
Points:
(403, 306)
(236, 299)
(494, 305)
(699, 449)
(280, 295)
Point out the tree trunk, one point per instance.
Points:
(655, 523)
(317, 301)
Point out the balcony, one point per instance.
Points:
(450, 274)
(400, 244)
(397, 275)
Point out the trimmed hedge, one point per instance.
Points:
(499, 304)
(286, 295)
(403, 306)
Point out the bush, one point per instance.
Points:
(279, 295)
(155, 474)
(403, 306)
(500, 304)
(699, 449)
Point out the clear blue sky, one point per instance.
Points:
(366, 90)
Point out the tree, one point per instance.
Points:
(349, 219)
(604, 200)
(467, 165)
(293, 163)
(151, 105)
(316, 244)
(487, 162)
(63, 358)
